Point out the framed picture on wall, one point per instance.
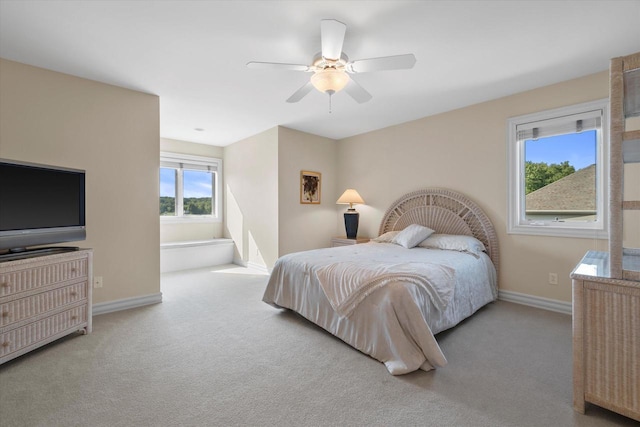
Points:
(310, 187)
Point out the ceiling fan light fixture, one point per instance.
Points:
(329, 80)
(332, 67)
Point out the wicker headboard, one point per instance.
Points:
(446, 212)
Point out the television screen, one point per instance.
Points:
(40, 204)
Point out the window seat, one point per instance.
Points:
(185, 255)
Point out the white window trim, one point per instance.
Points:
(195, 160)
(516, 224)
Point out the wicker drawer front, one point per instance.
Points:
(34, 278)
(612, 347)
(33, 333)
(39, 304)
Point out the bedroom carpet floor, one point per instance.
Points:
(213, 354)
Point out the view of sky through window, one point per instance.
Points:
(579, 149)
(167, 182)
(196, 183)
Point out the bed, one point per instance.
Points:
(387, 300)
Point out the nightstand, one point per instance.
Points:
(343, 241)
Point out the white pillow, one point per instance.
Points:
(454, 243)
(412, 235)
(386, 237)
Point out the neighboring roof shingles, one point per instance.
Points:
(575, 192)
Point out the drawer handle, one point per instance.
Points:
(6, 314)
(5, 285)
(6, 344)
(73, 269)
(74, 293)
(74, 317)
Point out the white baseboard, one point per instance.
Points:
(510, 296)
(240, 262)
(252, 265)
(125, 304)
(259, 267)
(538, 302)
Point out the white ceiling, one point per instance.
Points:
(192, 54)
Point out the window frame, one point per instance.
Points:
(198, 162)
(516, 222)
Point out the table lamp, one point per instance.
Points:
(351, 217)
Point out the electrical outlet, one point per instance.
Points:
(97, 282)
(553, 278)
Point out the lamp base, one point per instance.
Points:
(351, 219)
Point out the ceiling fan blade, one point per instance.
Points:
(278, 66)
(332, 37)
(357, 92)
(396, 62)
(300, 93)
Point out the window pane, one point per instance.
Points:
(167, 192)
(560, 177)
(198, 192)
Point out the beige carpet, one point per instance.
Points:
(212, 354)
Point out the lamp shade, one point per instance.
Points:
(329, 80)
(349, 197)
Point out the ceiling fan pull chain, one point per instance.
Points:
(329, 103)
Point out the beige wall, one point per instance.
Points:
(251, 197)
(465, 150)
(112, 133)
(263, 213)
(175, 232)
(304, 226)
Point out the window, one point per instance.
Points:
(557, 172)
(190, 188)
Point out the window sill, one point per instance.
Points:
(555, 231)
(189, 220)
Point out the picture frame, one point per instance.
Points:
(310, 187)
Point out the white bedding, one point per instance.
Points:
(346, 284)
(397, 320)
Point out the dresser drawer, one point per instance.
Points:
(42, 331)
(28, 279)
(36, 305)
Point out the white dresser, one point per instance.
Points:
(42, 299)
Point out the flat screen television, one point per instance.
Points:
(40, 205)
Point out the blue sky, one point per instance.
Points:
(578, 148)
(196, 183)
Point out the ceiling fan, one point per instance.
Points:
(331, 67)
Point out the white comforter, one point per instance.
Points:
(394, 318)
(346, 284)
